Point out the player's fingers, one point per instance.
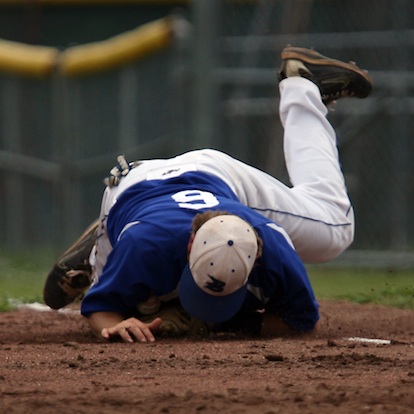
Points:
(144, 332)
(155, 324)
(132, 328)
(121, 331)
(105, 333)
(150, 328)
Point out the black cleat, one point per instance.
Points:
(335, 79)
(71, 275)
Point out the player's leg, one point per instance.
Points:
(316, 212)
(319, 225)
(322, 223)
(308, 82)
(334, 78)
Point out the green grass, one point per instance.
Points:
(380, 286)
(23, 274)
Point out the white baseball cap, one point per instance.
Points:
(214, 283)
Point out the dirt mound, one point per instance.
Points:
(362, 360)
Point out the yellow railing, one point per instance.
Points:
(29, 60)
(41, 61)
(93, 2)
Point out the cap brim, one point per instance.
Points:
(206, 307)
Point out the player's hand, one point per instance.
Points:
(133, 330)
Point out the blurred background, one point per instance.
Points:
(83, 81)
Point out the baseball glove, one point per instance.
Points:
(71, 274)
(176, 322)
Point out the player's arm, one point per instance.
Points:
(119, 288)
(292, 308)
(110, 325)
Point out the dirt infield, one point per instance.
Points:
(51, 363)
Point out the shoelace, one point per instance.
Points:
(328, 98)
(119, 171)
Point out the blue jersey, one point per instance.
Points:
(149, 228)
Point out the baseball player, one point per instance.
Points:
(204, 242)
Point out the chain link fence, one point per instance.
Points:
(216, 86)
(374, 135)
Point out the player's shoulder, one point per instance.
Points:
(253, 217)
(276, 231)
(268, 230)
